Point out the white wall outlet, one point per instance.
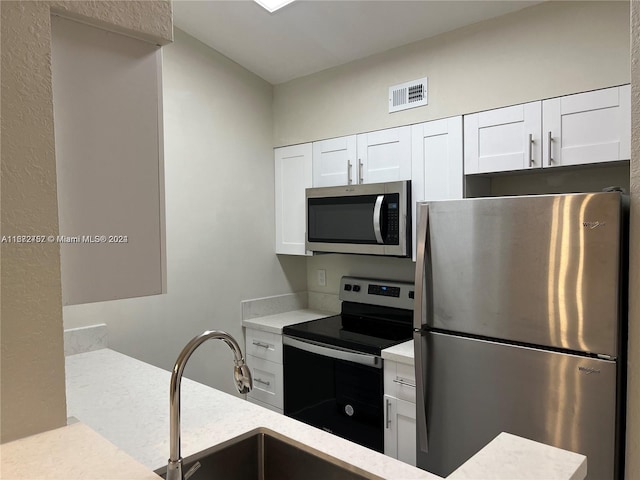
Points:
(322, 277)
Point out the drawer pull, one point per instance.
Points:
(259, 380)
(261, 344)
(402, 381)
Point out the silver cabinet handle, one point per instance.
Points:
(388, 406)
(349, 179)
(550, 138)
(530, 149)
(261, 344)
(402, 381)
(360, 168)
(259, 380)
(377, 212)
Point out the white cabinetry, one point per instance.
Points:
(375, 157)
(333, 161)
(436, 156)
(578, 129)
(400, 411)
(589, 127)
(503, 139)
(292, 176)
(264, 358)
(384, 156)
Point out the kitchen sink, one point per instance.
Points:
(266, 455)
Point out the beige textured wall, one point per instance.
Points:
(633, 395)
(32, 371)
(543, 51)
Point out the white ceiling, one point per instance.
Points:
(308, 36)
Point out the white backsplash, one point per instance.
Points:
(261, 307)
(85, 339)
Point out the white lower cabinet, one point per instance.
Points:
(400, 429)
(399, 412)
(267, 381)
(264, 358)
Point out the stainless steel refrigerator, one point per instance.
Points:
(519, 326)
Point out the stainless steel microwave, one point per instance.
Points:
(369, 219)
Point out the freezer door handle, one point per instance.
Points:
(421, 257)
(421, 384)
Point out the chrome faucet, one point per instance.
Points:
(242, 377)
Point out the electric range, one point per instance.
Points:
(333, 367)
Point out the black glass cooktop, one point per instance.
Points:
(363, 328)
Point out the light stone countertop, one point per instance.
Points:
(402, 353)
(497, 460)
(275, 323)
(126, 401)
(74, 452)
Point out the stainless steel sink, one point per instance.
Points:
(266, 455)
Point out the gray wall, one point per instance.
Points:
(219, 175)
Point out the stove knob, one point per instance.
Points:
(349, 410)
(347, 287)
(356, 288)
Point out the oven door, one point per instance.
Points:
(337, 390)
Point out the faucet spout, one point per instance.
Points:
(241, 375)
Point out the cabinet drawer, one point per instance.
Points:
(267, 381)
(399, 381)
(265, 345)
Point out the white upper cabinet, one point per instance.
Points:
(333, 161)
(292, 176)
(578, 129)
(587, 127)
(503, 139)
(382, 156)
(436, 162)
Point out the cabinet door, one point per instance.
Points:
(587, 127)
(400, 429)
(333, 162)
(436, 163)
(503, 139)
(292, 176)
(384, 156)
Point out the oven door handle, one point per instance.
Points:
(334, 352)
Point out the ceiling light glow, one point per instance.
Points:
(273, 5)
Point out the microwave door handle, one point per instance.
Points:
(377, 212)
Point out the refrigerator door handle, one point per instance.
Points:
(421, 384)
(421, 247)
(419, 310)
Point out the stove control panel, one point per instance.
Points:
(377, 292)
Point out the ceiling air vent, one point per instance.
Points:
(408, 95)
